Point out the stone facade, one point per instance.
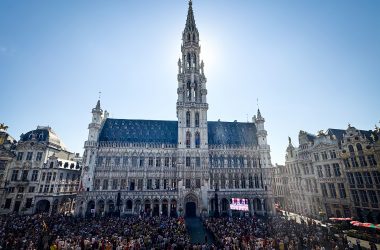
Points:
(7, 146)
(334, 174)
(43, 176)
(176, 167)
(280, 186)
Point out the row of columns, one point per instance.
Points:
(137, 207)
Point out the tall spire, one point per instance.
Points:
(259, 114)
(190, 21)
(97, 108)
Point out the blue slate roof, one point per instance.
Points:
(155, 131)
(340, 132)
(37, 134)
(232, 133)
(147, 131)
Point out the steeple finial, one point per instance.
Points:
(258, 114)
(190, 21)
(98, 102)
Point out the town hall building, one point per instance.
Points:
(187, 167)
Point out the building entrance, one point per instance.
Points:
(191, 209)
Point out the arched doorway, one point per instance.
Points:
(147, 207)
(100, 207)
(128, 206)
(156, 207)
(43, 206)
(111, 207)
(173, 208)
(191, 205)
(90, 208)
(191, 209)
(165, 207)
(225, 206)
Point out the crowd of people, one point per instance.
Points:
(144, 232)
(66, 232)
(275, 233)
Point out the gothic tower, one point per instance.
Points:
(192, 110)
(90, 146)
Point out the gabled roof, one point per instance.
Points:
(166, 132)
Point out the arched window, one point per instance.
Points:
(197, 140)
(236, 162)
(188, 91)
(256, 181)
(197, 119)
(188, 37)
(229, 161)
(250, 181)
(242, 181)
(222, 161)
(188, 119)
(194, 60)
(249, 163)
(196, 92)
(188, 60)
(222, 181)
(359, 147)
(188, 136)
(216, 180)
(351, 148)
(194, 37)
(237, 181)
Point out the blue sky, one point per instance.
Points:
(312, 64)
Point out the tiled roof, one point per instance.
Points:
(232, 133)
(340, 132)
(148, 131)
(154, 131)
(43, 134)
